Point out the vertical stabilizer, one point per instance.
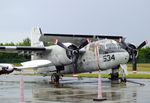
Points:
(35, 36)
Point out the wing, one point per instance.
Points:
(75, 38)
(23, 49)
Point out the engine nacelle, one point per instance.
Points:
(59, 56)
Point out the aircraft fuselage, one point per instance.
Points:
(99, 55)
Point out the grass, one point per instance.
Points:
(140, 67)
(133, 76)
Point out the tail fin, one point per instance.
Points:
(35, 36)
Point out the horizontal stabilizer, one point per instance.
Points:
(35, 64)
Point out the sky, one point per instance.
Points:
(128, 18)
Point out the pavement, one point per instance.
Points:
(71, 90)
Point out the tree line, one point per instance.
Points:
(143, 54)
(14, 57)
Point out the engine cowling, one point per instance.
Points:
(59, 56)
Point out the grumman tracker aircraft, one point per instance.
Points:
(72, 54)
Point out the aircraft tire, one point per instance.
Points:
(55, 78)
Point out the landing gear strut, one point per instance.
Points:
(55, 78)
(114, 76)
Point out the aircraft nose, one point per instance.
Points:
(125, 57)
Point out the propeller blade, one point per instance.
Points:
(75, 64)
(134, 62)
(75, 68)
(76, 55)
(125, 44)
(57, 42)
(83, 43)
(142, 45)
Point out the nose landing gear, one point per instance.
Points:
(114, 76)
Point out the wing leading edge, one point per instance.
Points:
(75, 38)
(16, 49)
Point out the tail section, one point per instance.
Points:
(35, 36)
(35, 42)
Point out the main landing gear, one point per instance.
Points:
(55, 78)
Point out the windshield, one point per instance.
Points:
(110, 48)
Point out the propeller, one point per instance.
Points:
(73, 52)
(132, 49)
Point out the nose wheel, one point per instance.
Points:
(55, 78)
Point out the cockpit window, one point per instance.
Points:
(110, 48)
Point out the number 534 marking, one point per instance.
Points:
(108, 57)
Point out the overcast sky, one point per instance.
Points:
(129, 18)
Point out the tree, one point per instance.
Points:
(144, 55)
(14, 57)
(26, 42)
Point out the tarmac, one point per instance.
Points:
(71, 90)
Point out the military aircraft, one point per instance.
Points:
(72, 54)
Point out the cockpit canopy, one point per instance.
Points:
(109, 46)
